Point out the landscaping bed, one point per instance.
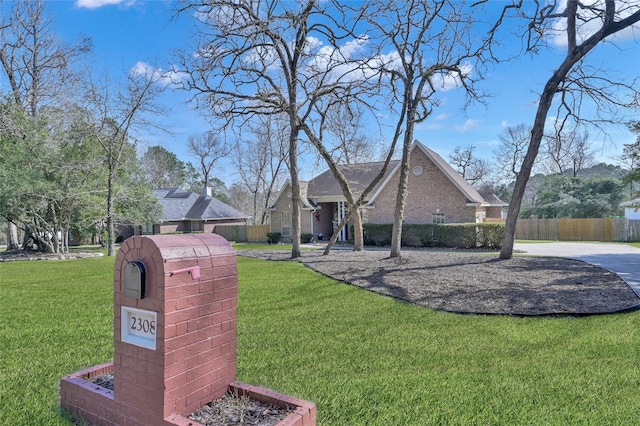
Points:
(471, 282)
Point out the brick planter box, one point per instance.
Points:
(93, 404)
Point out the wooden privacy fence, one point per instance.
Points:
(603, 229)
(244, 233)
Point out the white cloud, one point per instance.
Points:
(441, 117)
(158, 75)
(94, 4)
(449, 80)
(470, 124)
(504, 124)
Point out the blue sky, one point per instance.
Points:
(127, 32)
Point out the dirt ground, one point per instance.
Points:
(473, 282)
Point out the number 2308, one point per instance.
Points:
(144, 325)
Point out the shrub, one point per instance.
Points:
(491, 235)
(377, 235)
(273, 237)
(306, 238)
(458, 235)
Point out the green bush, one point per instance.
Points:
(306, 238)
(273, 237)
(377, 235)
(491, 235)
(457, 235)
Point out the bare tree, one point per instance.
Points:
(267, 58)
(348, 143)
(472, 169)
(35, 66)
(568, 151)
(261, 162)
(509, 154)
(433, 49)
(118, 117)
(208, 148)
(585, 25)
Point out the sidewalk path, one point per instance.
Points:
(622, 259)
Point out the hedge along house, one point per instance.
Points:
(184, 211)
(437, 194)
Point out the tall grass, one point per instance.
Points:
(363, 358)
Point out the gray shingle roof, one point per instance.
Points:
(178, 204)
(358, 176)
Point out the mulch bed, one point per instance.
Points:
(473, 282)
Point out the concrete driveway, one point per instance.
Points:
(622, 259)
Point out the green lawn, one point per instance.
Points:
(364, 359)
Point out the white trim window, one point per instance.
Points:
(437, 218)
(286, 224)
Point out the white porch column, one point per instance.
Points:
(342, 211)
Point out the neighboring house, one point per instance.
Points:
(632, 209)
(437, 194)
(184, 211)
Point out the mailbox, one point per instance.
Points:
(134, 279)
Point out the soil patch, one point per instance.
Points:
(17, 255)
(471, 282)
(229, 410)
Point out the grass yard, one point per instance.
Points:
(364, 359)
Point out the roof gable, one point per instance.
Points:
(306, 203)
(359, 177)
(472, 194)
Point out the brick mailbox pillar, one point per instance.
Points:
(175, 347)
(175, 343)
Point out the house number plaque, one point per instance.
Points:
(139, 327)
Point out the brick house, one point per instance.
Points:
(437, 194)
(184, 211)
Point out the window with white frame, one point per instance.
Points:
(286, 224)
(437, 218)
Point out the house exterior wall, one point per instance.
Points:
(284, 204)
(495, 213)
(429, 193)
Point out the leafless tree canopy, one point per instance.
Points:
(208, 148)
(472, 169)
(427, 47)
(36, 65)
(118, 114)
(510, 153)
(260, 157)
(269, 58)
(568, 151)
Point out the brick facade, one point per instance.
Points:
(429, 193)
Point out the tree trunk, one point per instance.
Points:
(358, 240)
(111, 241)
(295, 190)
(403, 188)
(13, 241)
(537, 132)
